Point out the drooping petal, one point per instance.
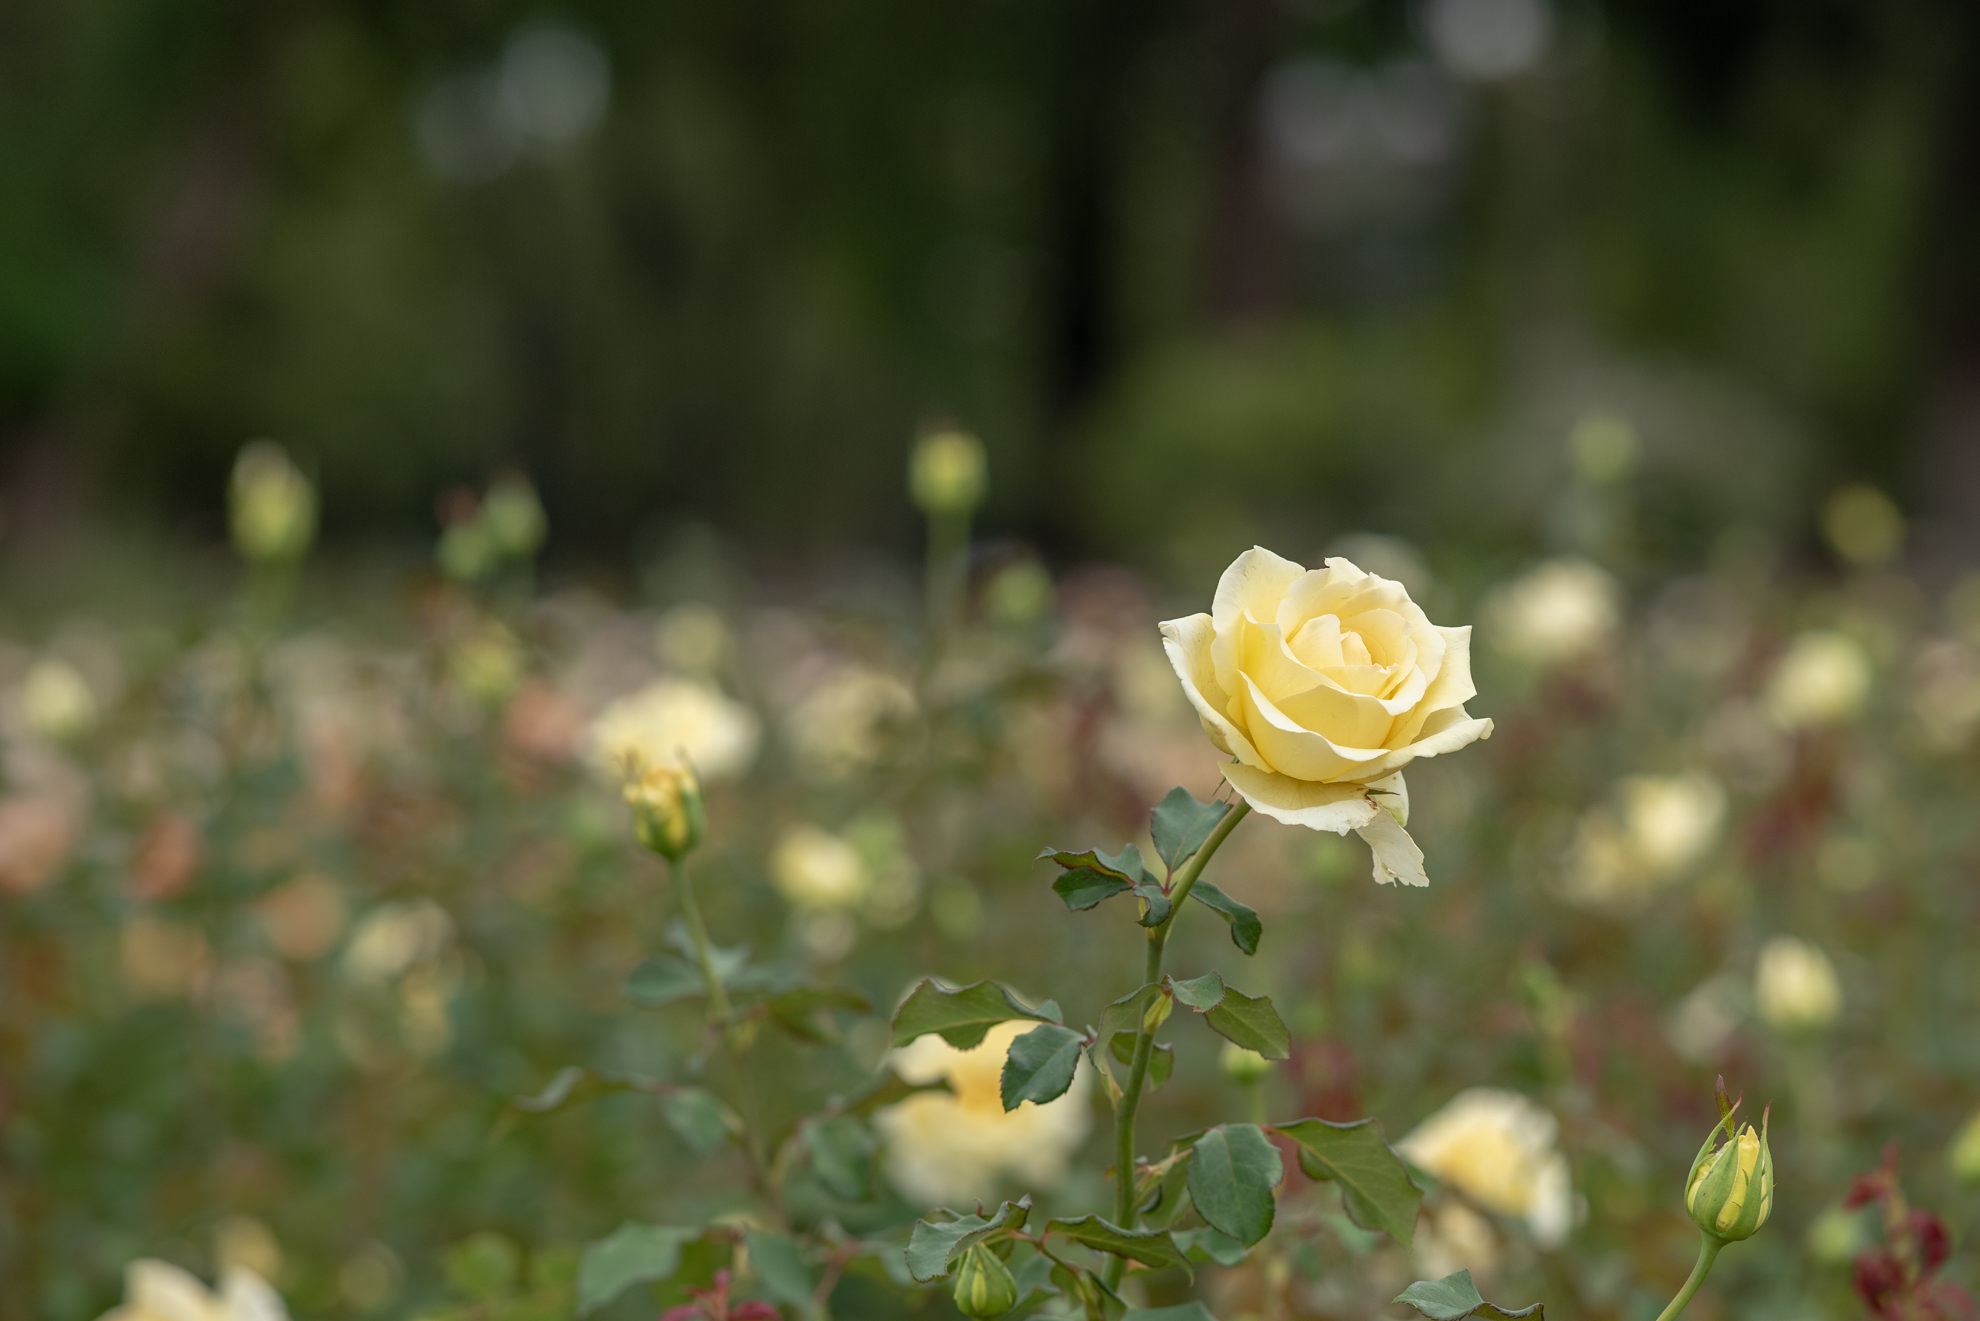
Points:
(1397, 858)
(1334, 807)
(1187, 643)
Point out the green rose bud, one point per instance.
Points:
(946, 474)
(668, 814)
(1730, 1190)
(984, 1285)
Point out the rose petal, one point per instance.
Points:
(1450, 686)
(1334, 807)
(1291, 749)
(1254, 585)
(1446, 731)
(1187, 643)
(1397, 858)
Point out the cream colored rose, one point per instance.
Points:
(160, 1291)
(1324, 684)
(1499, 1150)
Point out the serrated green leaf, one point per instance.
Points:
(1375, 1184)
(1455, 1297)
(1150, 1247)
(631, 1254)
(1210, 1244)
(1181, 824)
(963, 1016)
(700, 1120)
(1083, 887)
(841, 1150)
(1155, 902)
(935, 1244)
(1125, 866)
(1200, 993)
(1040, 1065)
(1251, 1022)
(1161, 1060)
(1180, 1312)
(1231, 1176)
(780, 1267)
(1245, 926)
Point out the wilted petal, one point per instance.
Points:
(1397, 858)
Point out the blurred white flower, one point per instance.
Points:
(1655, 829)
(1555, 612)
(160, 1291)
(1498, 1149)
(55, 701)
(818, 871)
(1451, 1237)
(675, 720)
(1824, 678)
(961, 1146)
(1489, 40)
(393, 938)
(1698, 1025)
(845, 722)
(1795, 986)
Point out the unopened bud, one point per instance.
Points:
(668, 814)
(984, 1284)
(946, 474)
(1730, 1190)
(271, 506)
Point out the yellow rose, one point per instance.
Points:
(1500, 1150)
(1324, 684)
(160, 1291)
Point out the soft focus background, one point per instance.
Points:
(1646, 336)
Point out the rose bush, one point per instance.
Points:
(1323, 684)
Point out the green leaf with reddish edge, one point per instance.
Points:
(1153, 1248)
(1180, 824)
(1200, 993)
(935, 1244)
(1040, 1065)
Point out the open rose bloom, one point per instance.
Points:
(1323, 684)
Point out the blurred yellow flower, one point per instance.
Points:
(1795, 986)
(1824, 678)
(271, 506)
(1655, 829)
(1863, 525)
(1324, 684)
(845, 723)
(958, 1147)
(160, 1291)
(1451, 1237)
(1964, 1153)
(947, 472)
(818, 871)
(1497, 1148)
(1553, 613)
(675, 720)
(55, 701)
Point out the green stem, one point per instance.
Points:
(704, 951)
(1144, 1038)
(1708, 1252)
